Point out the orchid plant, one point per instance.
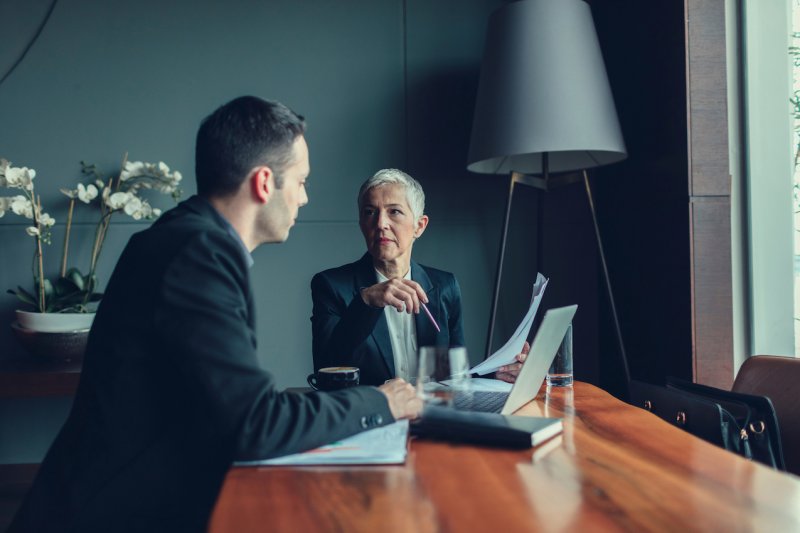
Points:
(72, 291)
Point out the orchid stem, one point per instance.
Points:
(66, 238)
(37, 214)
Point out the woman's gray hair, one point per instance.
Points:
(414, 193)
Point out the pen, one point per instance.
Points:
(425, 307)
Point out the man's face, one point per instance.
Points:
(387, 223)
(280, 212)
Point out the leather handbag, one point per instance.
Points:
(745, 424)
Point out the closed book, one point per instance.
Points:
(489, 429)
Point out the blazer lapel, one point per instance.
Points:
(426, 332)
(366, 277)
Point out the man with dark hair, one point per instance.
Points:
(171, 390)
(238, 134)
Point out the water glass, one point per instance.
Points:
(560, 373)
(441, 371)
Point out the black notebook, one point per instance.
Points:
(485, 428)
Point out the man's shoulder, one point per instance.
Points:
(191, 217)
(183, 229)
(194, 212)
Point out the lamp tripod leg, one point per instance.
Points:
(498, 275)
(623, 355)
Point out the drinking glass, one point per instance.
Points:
(560, 372)
(441, 372)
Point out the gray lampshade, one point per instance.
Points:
(543, 88)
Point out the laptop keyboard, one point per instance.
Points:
(483, 401)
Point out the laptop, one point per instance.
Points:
(534, 369)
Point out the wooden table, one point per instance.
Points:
(615, 468)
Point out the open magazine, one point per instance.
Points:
(506, 354)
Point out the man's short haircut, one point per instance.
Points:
(414, 193)
(244, 133)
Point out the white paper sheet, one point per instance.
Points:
(379, 446)
(510, 349)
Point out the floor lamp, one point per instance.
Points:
(544, 112)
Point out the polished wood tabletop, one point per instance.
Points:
(615, 468)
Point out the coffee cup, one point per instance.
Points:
(334, 378)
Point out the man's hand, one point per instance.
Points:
(402, 398)
(402, 294)
(510, 372)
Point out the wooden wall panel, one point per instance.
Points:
(707, 98)
(709, 193)
(712, 333)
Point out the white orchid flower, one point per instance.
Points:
(133, 207)
(86, 194)
(156, 212)
(69, 193)
(46, 220)
(5, 205)
(118, 200)
(33, 231)
(22, 206)
(176, 177)
(20, 177)
(132, 169)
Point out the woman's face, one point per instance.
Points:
(388, 225)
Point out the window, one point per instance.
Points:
(765, 244)
(794, 52)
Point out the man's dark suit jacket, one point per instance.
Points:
(171, 391)
(348, 332)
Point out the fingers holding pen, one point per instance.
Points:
(402, 294)
(416, 292)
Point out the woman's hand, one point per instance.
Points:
(510, 372)
(402, 294)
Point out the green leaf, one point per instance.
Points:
(66, 287)
(48, 289)
(75, 276)
(90, 282)
(24, 295)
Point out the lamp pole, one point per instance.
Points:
(515, 177)
(608, 279)
(499, 272)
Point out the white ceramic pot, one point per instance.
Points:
(54, 322)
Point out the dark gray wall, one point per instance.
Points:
(381, 82)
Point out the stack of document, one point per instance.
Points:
(379, 446)
(506, 354)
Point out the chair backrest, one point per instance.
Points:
(778, 378)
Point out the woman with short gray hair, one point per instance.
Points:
(367, 313)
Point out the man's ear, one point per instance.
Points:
(262, 182)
